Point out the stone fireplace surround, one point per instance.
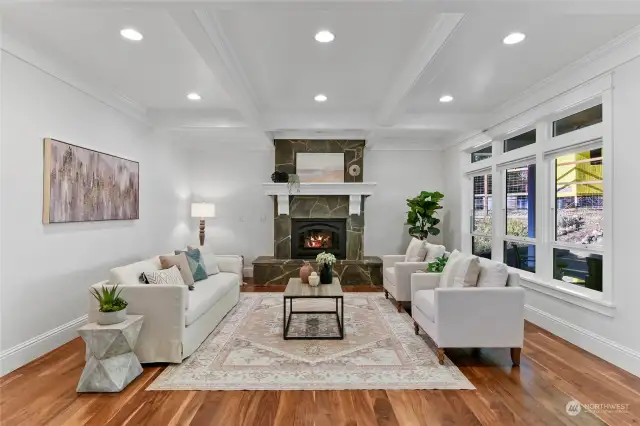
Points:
(319, 201)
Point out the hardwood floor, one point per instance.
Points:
(552, 372)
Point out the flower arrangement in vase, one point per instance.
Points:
(325, 262)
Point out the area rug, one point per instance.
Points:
(247, 352)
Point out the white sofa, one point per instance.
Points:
(491, 316)
(176, 320)
(397, 270)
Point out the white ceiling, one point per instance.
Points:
(257, 66)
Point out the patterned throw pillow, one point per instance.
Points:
(169, 276)
(196, 264)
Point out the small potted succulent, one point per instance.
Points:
(325, 262)
(113, 308)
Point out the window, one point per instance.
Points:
(521, 201)
(579, 219)
(520, 255)
(482, 215)
(520, 141)
(579, 120)
(481, 154)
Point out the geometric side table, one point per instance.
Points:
(112, 364)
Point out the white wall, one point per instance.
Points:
(231, 176)
(452, 211)
(47, 269)
(399, 175)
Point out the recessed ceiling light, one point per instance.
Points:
(131, 34)
(446, 98)
(194, 96)
(320, 98)
(325, 36)
(514, 38)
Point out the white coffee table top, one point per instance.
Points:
(296, 288)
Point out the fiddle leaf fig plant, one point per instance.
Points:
(421, 216)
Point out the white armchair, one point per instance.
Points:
(491, 316)
(396, 273)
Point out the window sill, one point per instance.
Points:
(530, 281)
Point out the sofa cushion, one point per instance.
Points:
(196, 264)
(209, 258)
(207, 293)
(493, 274)
(179, 260)
(461, 270)
(169, 276)
(424, 301)
(390, 274)
(434, 251)
(417, 251)
(130, 274)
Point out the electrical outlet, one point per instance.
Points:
(263, 218)
(241, 219)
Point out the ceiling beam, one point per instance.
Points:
(204, 32)
(415, 68)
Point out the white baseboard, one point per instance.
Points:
(619, 355)
(25, 352)
(247, 271)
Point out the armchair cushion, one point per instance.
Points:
(417, 251)
(493, 274)
(434, 251)
(424, 301)
(461, 270)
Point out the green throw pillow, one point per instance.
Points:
(196, 264)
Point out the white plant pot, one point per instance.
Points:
(314, 280)
(108, 318)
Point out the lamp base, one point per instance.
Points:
(201, 232)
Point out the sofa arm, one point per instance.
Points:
(424, 281)
(390, 260)
(163, 307)
(230, 263)
(479, 317)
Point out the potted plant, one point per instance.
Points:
(113, 308)
(326, 261)
(421, 215)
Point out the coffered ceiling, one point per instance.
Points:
(257, 66)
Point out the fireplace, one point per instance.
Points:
(309, 237)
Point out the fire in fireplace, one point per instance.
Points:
(312, 236)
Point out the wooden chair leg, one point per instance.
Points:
(515, 356)
(399, 304)
(416, 328)
(386, 294)
(440, 356)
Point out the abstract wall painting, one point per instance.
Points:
(320, 167)
(82, 185)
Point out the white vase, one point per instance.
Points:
(314, 280)
(108, 318)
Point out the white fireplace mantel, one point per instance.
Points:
(355, 191)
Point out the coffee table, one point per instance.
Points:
(296, 289)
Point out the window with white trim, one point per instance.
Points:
(482, 214)
(519, 250)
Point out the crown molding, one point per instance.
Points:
(591, 68)
(28, 53)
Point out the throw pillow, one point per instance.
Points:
(196, 264)
(210, 260)
(493, 274)
(434, 251)
(181, 262)
(417, 251)
(461, 270)
(169, 276)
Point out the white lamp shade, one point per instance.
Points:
(203, 210)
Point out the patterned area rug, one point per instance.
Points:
(247, 352)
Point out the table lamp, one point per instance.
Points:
(202, 210)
